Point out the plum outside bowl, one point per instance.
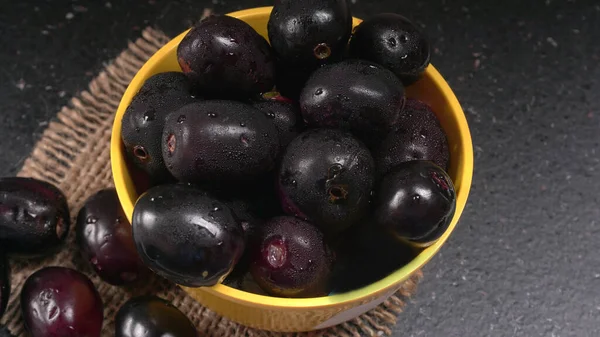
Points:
(283, 314)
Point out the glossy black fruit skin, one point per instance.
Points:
(59, 301)
(151, 316)
(285, 116)
(292, 259)
(185, 235)
(226, 58)
(34, 217)
(309, 33)
(5, 283)
(143, 121)
(354, 95)
(326, 176)
(104, 237)
(418, 135)
(367, 254)
(394, 42)
(219, 141)
(415, 201)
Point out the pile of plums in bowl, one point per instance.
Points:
(278, 167)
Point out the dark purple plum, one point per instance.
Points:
(59, 301)
(104, 237)
(415, 201)
(5, 283)
(393, 41)
(309, 33)
(219, 141)
(143, 121)
(152, 316)
(418, 135)
(286, 117)
(226, 58)
(185, 235)
(34, 217)
(326, 176)
(355, 95)
(365, 255)
(292, 259)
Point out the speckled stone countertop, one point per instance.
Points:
(522, 261)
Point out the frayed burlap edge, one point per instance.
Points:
(74, 154)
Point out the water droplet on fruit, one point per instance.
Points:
(90, 219)
(242, 124)
(318, 91)
(416, 197)
(403, 57)
(220, 243)
(152, 199)
(403, 38)
(216, 209)
(149, 116)
(271, 115)
(137, 129)
(294, 183)
(181, 119)
(266, 134)
(232, 40)
(212, 115)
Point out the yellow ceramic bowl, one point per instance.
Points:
(282, 314)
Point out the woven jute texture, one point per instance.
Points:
(73, 153)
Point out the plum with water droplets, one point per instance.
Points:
(226, 58)
(417, 135)
(285, 115)
(219, 142)
(292, 259)
(152, 316)
(143, 121)
(34, 217)
(59, 301)
(415, 201)
(104, 237)
(326, 176)
(309, 33)
(354, 95)
(186, 235)
(393, 41)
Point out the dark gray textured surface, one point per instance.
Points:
(522, 261)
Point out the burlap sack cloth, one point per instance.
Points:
(73, 153)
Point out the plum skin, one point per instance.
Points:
(394, 42)
(104, 237)
(34, 217)
(219, 141)
(354, 95)
(417, 135)
(307, 34)
(292, 259)
(185, 235)
(60, 301)
(326, 176)
(226, 58)
(415, 202)
(152, 316)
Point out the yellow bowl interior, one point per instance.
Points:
(432, 89)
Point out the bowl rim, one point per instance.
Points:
(390, 282)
